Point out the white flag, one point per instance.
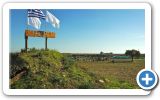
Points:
(35, 22)
(52, 19)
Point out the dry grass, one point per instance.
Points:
(115, 75)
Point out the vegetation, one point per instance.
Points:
(115, 75)
(49, 69)
(133, 53)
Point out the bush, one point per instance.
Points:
(67, 62)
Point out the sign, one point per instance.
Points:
(32, 33)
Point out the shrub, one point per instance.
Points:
(67, 62)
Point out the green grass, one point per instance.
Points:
(49, 69)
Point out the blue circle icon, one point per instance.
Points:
(147, 79)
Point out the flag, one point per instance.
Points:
(34, 16)
(35, 22)
(36, 13)
(52, 19)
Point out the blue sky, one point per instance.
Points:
(84, 31)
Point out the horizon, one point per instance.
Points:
(85, 31)
(79, 52)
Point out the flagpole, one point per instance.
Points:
(27, 20)
(45, 19)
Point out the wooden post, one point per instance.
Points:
(46, 43)
(26, 43)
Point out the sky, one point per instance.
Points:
(84, 31)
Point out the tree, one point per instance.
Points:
(101, 53)
(133, 53)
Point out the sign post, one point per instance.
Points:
(26, 42)
(31, 33)
(46, 43)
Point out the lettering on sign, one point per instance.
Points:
(32, 33)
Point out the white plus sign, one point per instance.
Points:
(147, 79)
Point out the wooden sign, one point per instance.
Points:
(32, 33)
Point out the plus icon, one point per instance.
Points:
(147, 79)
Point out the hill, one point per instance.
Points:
(46, 69)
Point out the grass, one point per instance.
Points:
(46, 70)
(114, 75)
(49, 69)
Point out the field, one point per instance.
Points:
(49, 69)
(114, 75)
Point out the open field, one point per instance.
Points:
(114, 75)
